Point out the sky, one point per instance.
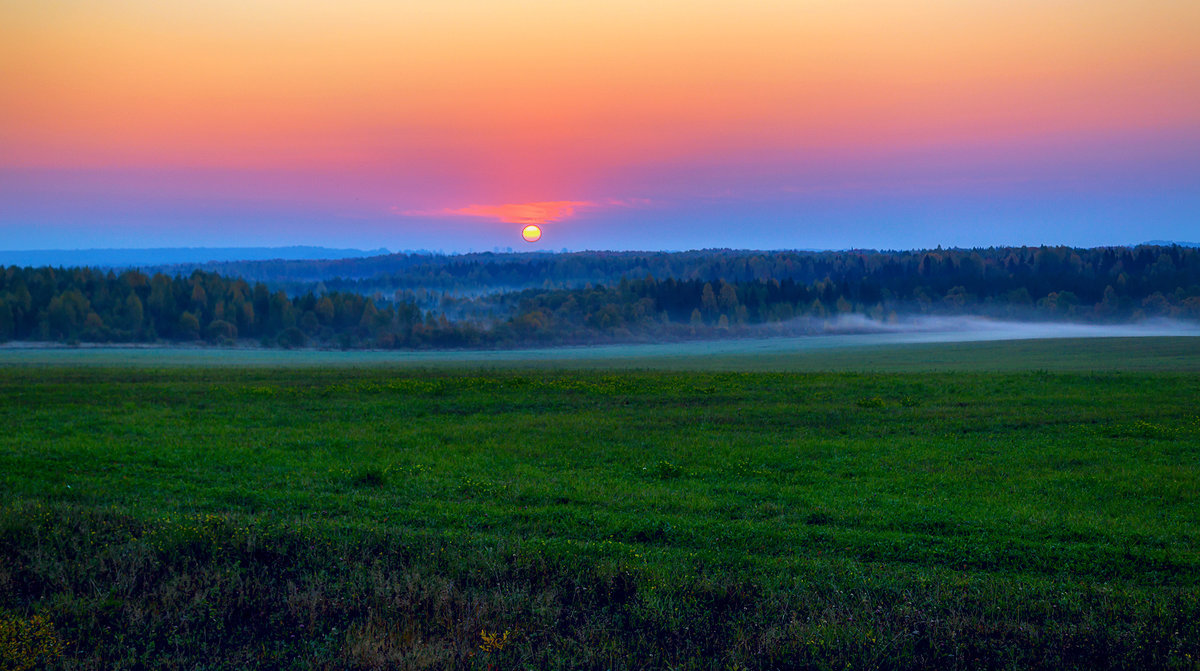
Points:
(452, 124)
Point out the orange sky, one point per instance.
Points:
(540, 101)
(253, 83)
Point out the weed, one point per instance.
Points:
(663, 470)
(28, 643)
(870, 402)
(494, 642)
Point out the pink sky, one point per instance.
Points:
(682, 124)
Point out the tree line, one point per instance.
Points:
(1046, 268)
(635, 296)
(729, 292)
(84, 304)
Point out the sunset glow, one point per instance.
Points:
(777, 124)
(522, 213)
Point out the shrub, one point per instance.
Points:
(292, 337)
(221, 330)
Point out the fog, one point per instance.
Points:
(853, 331)
(918, 328)
(803, 335)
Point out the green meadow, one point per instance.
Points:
(1019, 504)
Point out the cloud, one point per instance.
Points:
(512, 213)
(541, 212)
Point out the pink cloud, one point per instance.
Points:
(510, 213)
(540, 212)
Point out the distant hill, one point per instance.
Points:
(479, 273)
(1168, 243)
(124, 258)
(470, 272)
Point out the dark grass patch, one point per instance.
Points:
(322, 596)
(368, 477)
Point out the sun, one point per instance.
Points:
(531, 233)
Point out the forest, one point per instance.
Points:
(489, 300)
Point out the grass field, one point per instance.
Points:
(1029, 504)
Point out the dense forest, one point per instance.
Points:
(82, 304)
(511, 300)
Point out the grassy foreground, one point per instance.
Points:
(356, 518)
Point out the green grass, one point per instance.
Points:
(347, 517)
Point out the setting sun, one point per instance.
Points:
(531, 233)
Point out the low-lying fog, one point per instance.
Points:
(838, 333)
(965, 329)
(855, 331)
(859, 331)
